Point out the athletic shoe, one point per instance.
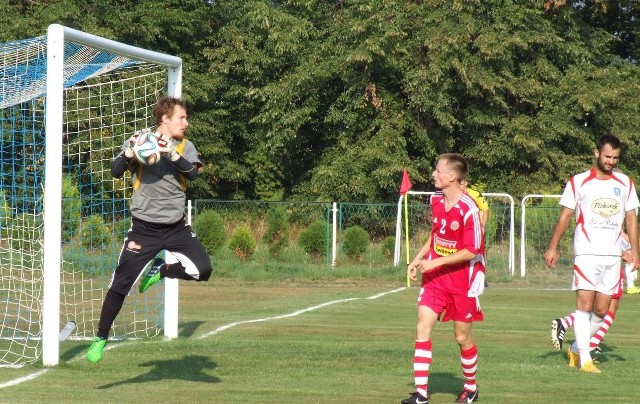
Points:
(153, 275)
(416, 398)
(634, 290)
(557, 333)
(597, 350)
(574, 359)
(590, 367)
(95, 350)
(468, 396)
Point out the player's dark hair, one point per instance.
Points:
(610, 140)
(456, 163)
(165, 106)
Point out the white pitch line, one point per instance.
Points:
(24, 378)
(216, 331)
(295, 313)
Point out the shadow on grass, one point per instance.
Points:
(606, 355)
(445, 383)
(190, 368)
(188, 329)
(69, 355)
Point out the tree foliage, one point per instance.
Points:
(330, 100)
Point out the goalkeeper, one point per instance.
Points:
(158, 221)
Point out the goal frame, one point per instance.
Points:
(399, 227)
(56, 37)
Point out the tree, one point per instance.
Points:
(330, 100)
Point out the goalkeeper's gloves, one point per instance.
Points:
(166, 148)
(132, 141)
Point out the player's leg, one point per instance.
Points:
(559, 327)
(193, 263)
(582, 326)
(137, 251)
(630, 276)
(607, 320)
(430, 304)
(463, 306)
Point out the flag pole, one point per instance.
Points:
(405, 186)
(406, 233)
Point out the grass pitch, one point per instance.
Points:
(335, 342)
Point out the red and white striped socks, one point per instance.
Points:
(597, 337)
(421, 363)
(469, 361)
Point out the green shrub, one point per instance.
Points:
(356, 241)
(209, 227)
(388, 246)
(71, 208)
(278, 230)
(313, 239)
(95, 233)
(242, 242)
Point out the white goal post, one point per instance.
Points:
(68, 101)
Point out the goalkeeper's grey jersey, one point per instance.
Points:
(159, 190)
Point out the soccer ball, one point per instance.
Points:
(146, 148)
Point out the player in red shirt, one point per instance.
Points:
(452, 267)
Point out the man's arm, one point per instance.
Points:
(551, 255)
(412, 268)
(631, 220)
(459, 256)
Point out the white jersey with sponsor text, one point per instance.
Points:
(600, 206)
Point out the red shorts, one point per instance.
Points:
(449, 306)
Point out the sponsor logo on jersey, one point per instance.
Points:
(605, 207)
(444, 247)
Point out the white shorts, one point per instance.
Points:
(598, 273)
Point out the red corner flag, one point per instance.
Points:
(406, 184)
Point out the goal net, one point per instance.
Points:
(68, 101)
(499, 231)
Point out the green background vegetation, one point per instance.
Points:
(330, 100)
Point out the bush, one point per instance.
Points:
(278, 230)
(242, 243)
(71, 208)
(209, 227)
(388, 246)
(313, 239)
(356, 241)
(95, 234)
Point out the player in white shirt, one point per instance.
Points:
(601, 200)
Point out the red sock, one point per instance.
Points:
(567, 321)
(599, 335)
(469, 360)
(421, 363)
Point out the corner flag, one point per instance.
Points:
(405, 186)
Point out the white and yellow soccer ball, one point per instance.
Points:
(146, 148)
